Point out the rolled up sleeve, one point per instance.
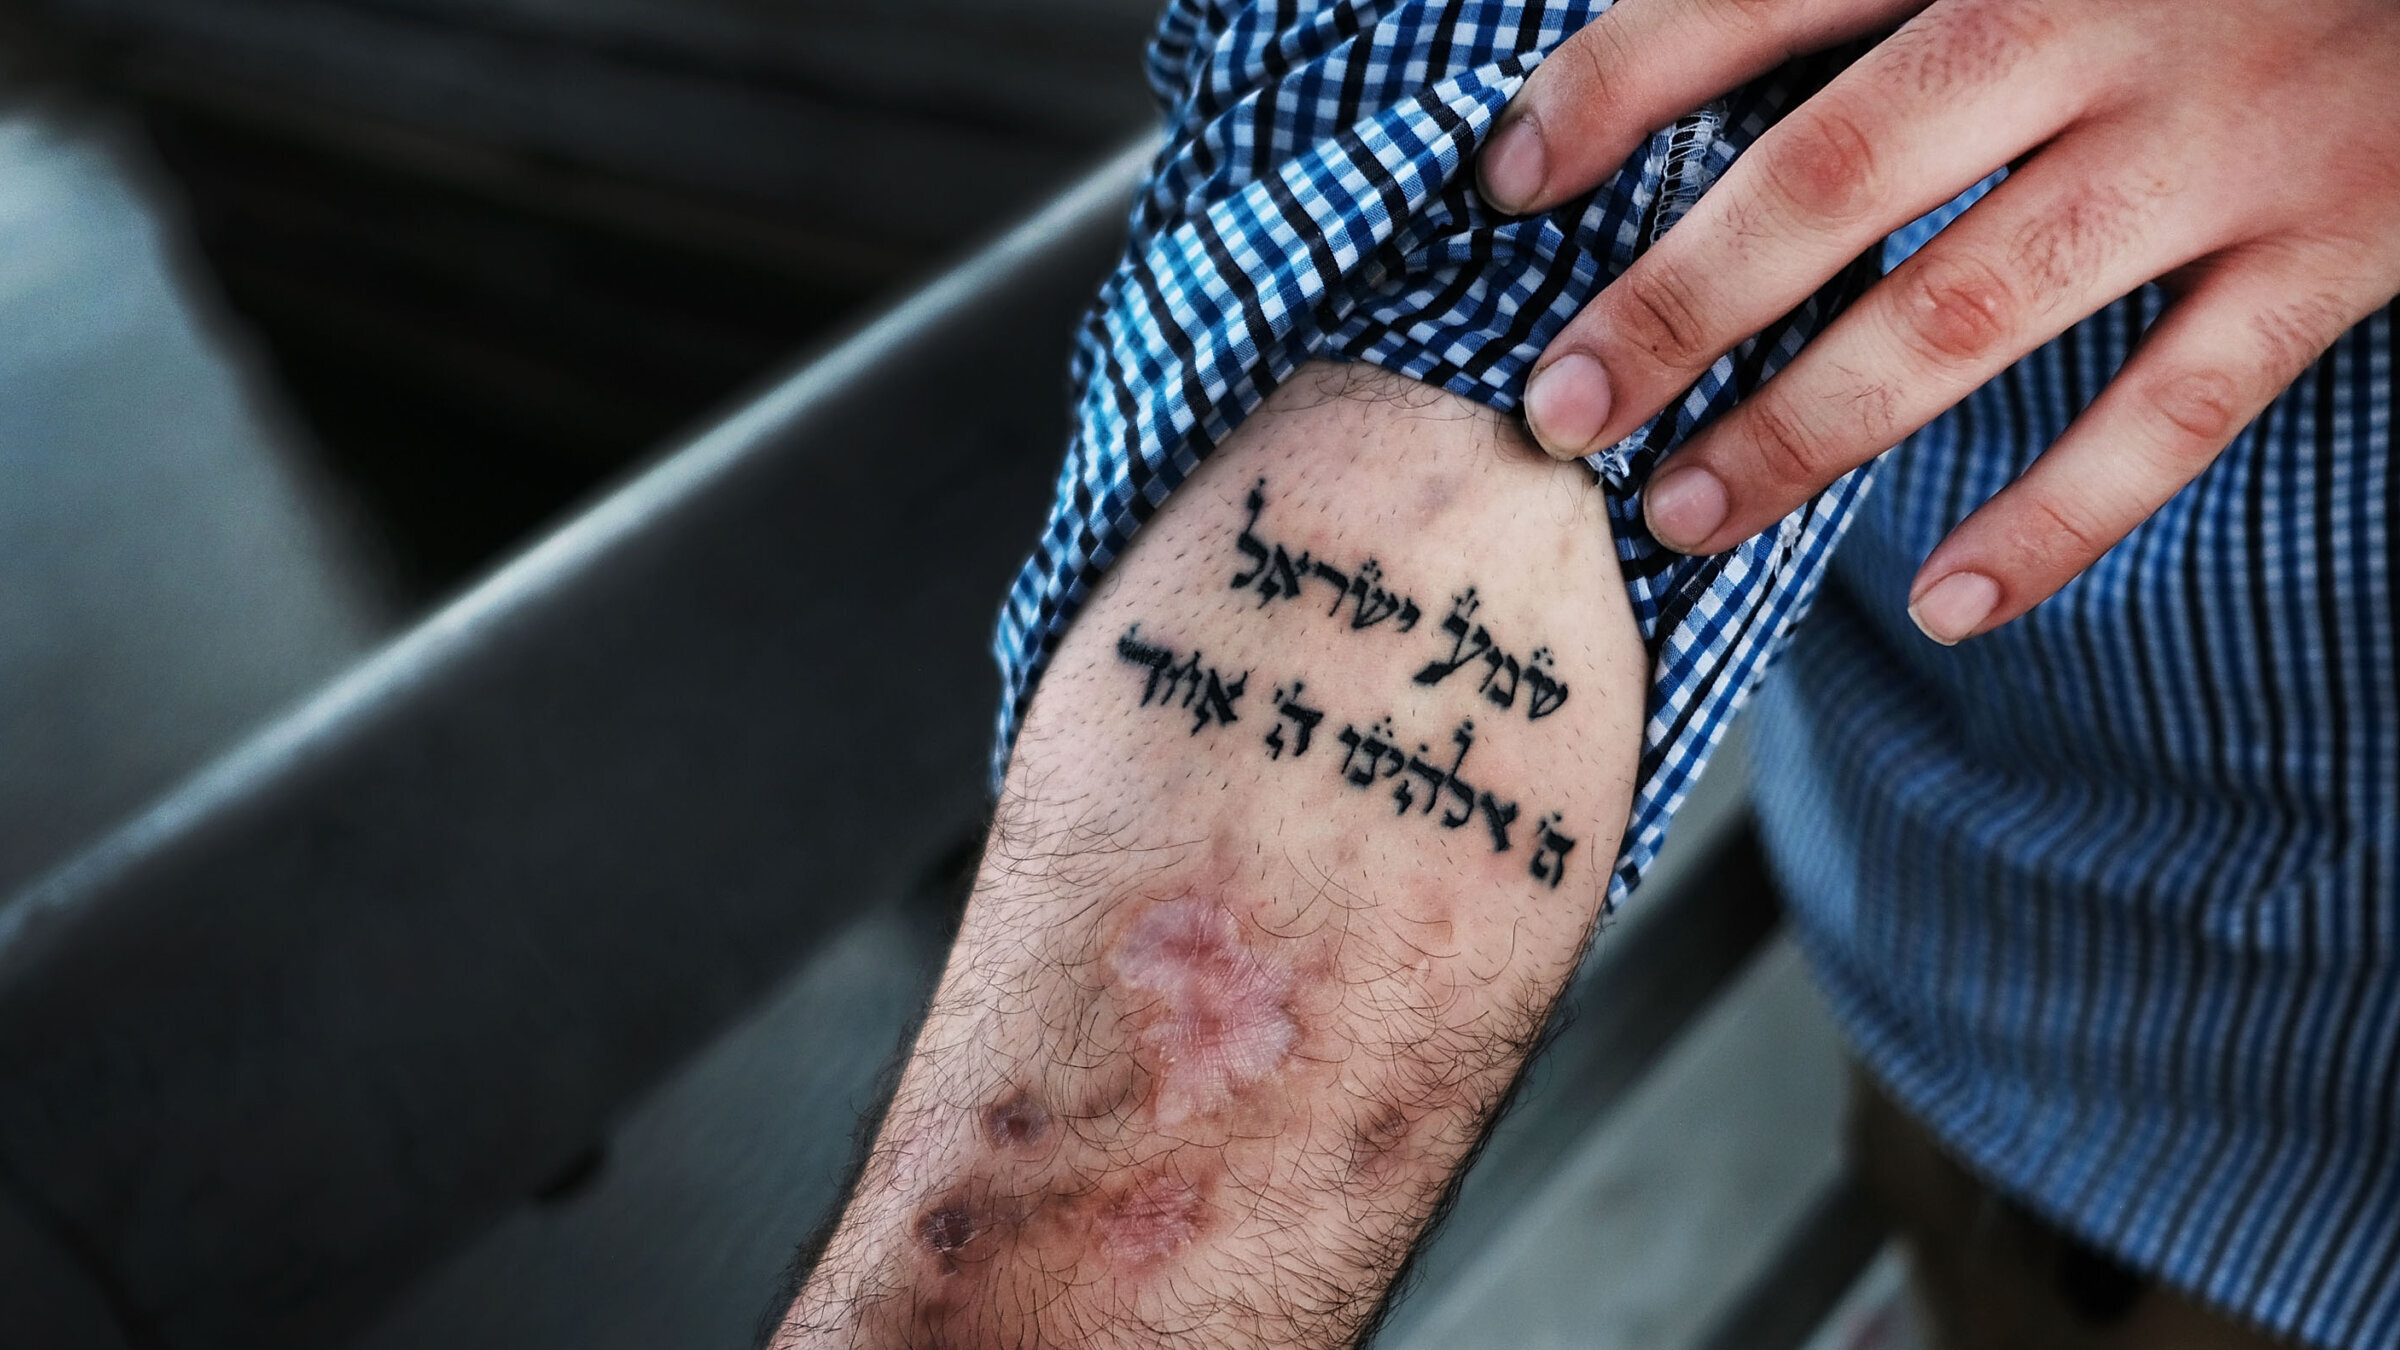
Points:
(1315, 200)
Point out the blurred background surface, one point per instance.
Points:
(443, 446)
(492, 250)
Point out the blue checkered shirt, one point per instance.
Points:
(1310, 204)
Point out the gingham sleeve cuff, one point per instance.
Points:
(1315, 200)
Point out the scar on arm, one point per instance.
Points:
(1015, 1124)
(1211, 1014)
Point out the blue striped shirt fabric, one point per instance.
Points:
(2110, 897)
(2104, 897)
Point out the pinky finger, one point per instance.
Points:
(2210, 364)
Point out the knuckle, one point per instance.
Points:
(1958, 311)
(1971, 43)
(2295, 333)
(1600, 55)
(2203, 407)
(2049, 535)
(1659, 311)
(2063, 250)
(1785, 449)
(1823, 166)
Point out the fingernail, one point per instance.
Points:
(1683, 507)
(1954, 607)
(1567, 404)
(1511, 166)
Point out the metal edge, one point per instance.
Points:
(551, 562)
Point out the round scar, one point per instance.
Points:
(1153, 1219)
(1213, 1015)
(945, 1229)
(1015, 1122)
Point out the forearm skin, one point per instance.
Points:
(1280, 895)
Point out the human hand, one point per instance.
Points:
(2246, 155)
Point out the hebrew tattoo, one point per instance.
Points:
(1303, 718)
(1504, 676)
(1550, 851)
(1207, 695)
(1424, 783)
(1421, 785)
(1275, 574)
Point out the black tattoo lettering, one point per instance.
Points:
(1501, 693)
(1277, 574)
(1467, 643)
(1545, 693)
(1339, 579)
(1421, 785)
(1303, 718)
(1132, 648)
(1434, 778)
(1273, 571)
(1499, 815)
(1218, 701)
(1207, 694)
(1440, 781)
(1371, 756)
(1247, 540)
(1375, 604)
(1503, 675)
(1550, 851)
(1376, 757)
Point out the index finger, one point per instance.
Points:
(1904, 129)
(1634, 69)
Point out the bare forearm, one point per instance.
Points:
(1304, 832)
